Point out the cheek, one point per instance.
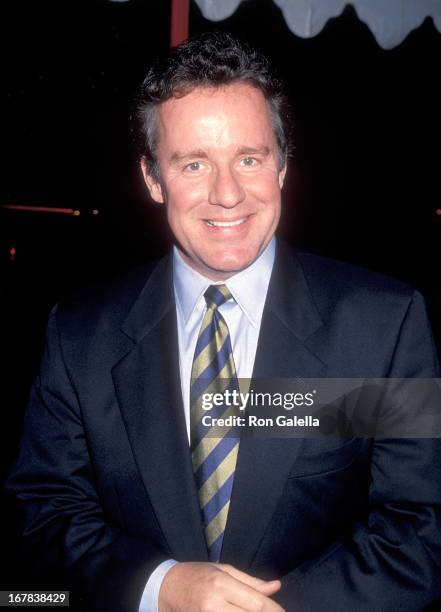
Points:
(267, 193)
(183, 196)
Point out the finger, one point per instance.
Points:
(274, 607)
(246, 597)
(239, 575)
(269, 588)
(252, 581)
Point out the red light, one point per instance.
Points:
(438, 212)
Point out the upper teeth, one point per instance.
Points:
(226, 223)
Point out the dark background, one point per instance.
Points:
(364, 182)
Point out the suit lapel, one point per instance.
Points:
(289, 319)
(148, 376)
(147, 385)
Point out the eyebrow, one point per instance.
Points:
(263, 150)
(178, 156)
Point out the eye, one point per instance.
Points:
(249, 162)
(193, 167)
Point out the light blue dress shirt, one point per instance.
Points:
(243, 317)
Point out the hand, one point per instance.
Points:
(210, 587)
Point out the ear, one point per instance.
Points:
(282, 174)
(153, 185)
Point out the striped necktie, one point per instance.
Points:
(214, 458)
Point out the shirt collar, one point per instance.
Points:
(248, 287)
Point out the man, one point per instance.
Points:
(121, 489)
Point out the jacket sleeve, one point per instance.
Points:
(65, 529)
(391, 560)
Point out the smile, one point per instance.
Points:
(226, 223)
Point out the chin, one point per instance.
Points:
(230, 265)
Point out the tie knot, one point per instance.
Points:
(216, 295)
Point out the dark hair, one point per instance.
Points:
(211, 59)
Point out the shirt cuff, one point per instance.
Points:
(150, 596)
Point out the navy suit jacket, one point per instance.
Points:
(104, 473)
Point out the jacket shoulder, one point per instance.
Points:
(105, 304)
(335, 280)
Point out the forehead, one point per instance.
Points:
(234, 114)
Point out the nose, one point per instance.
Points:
(225, 189)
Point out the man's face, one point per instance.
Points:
(220, 176)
